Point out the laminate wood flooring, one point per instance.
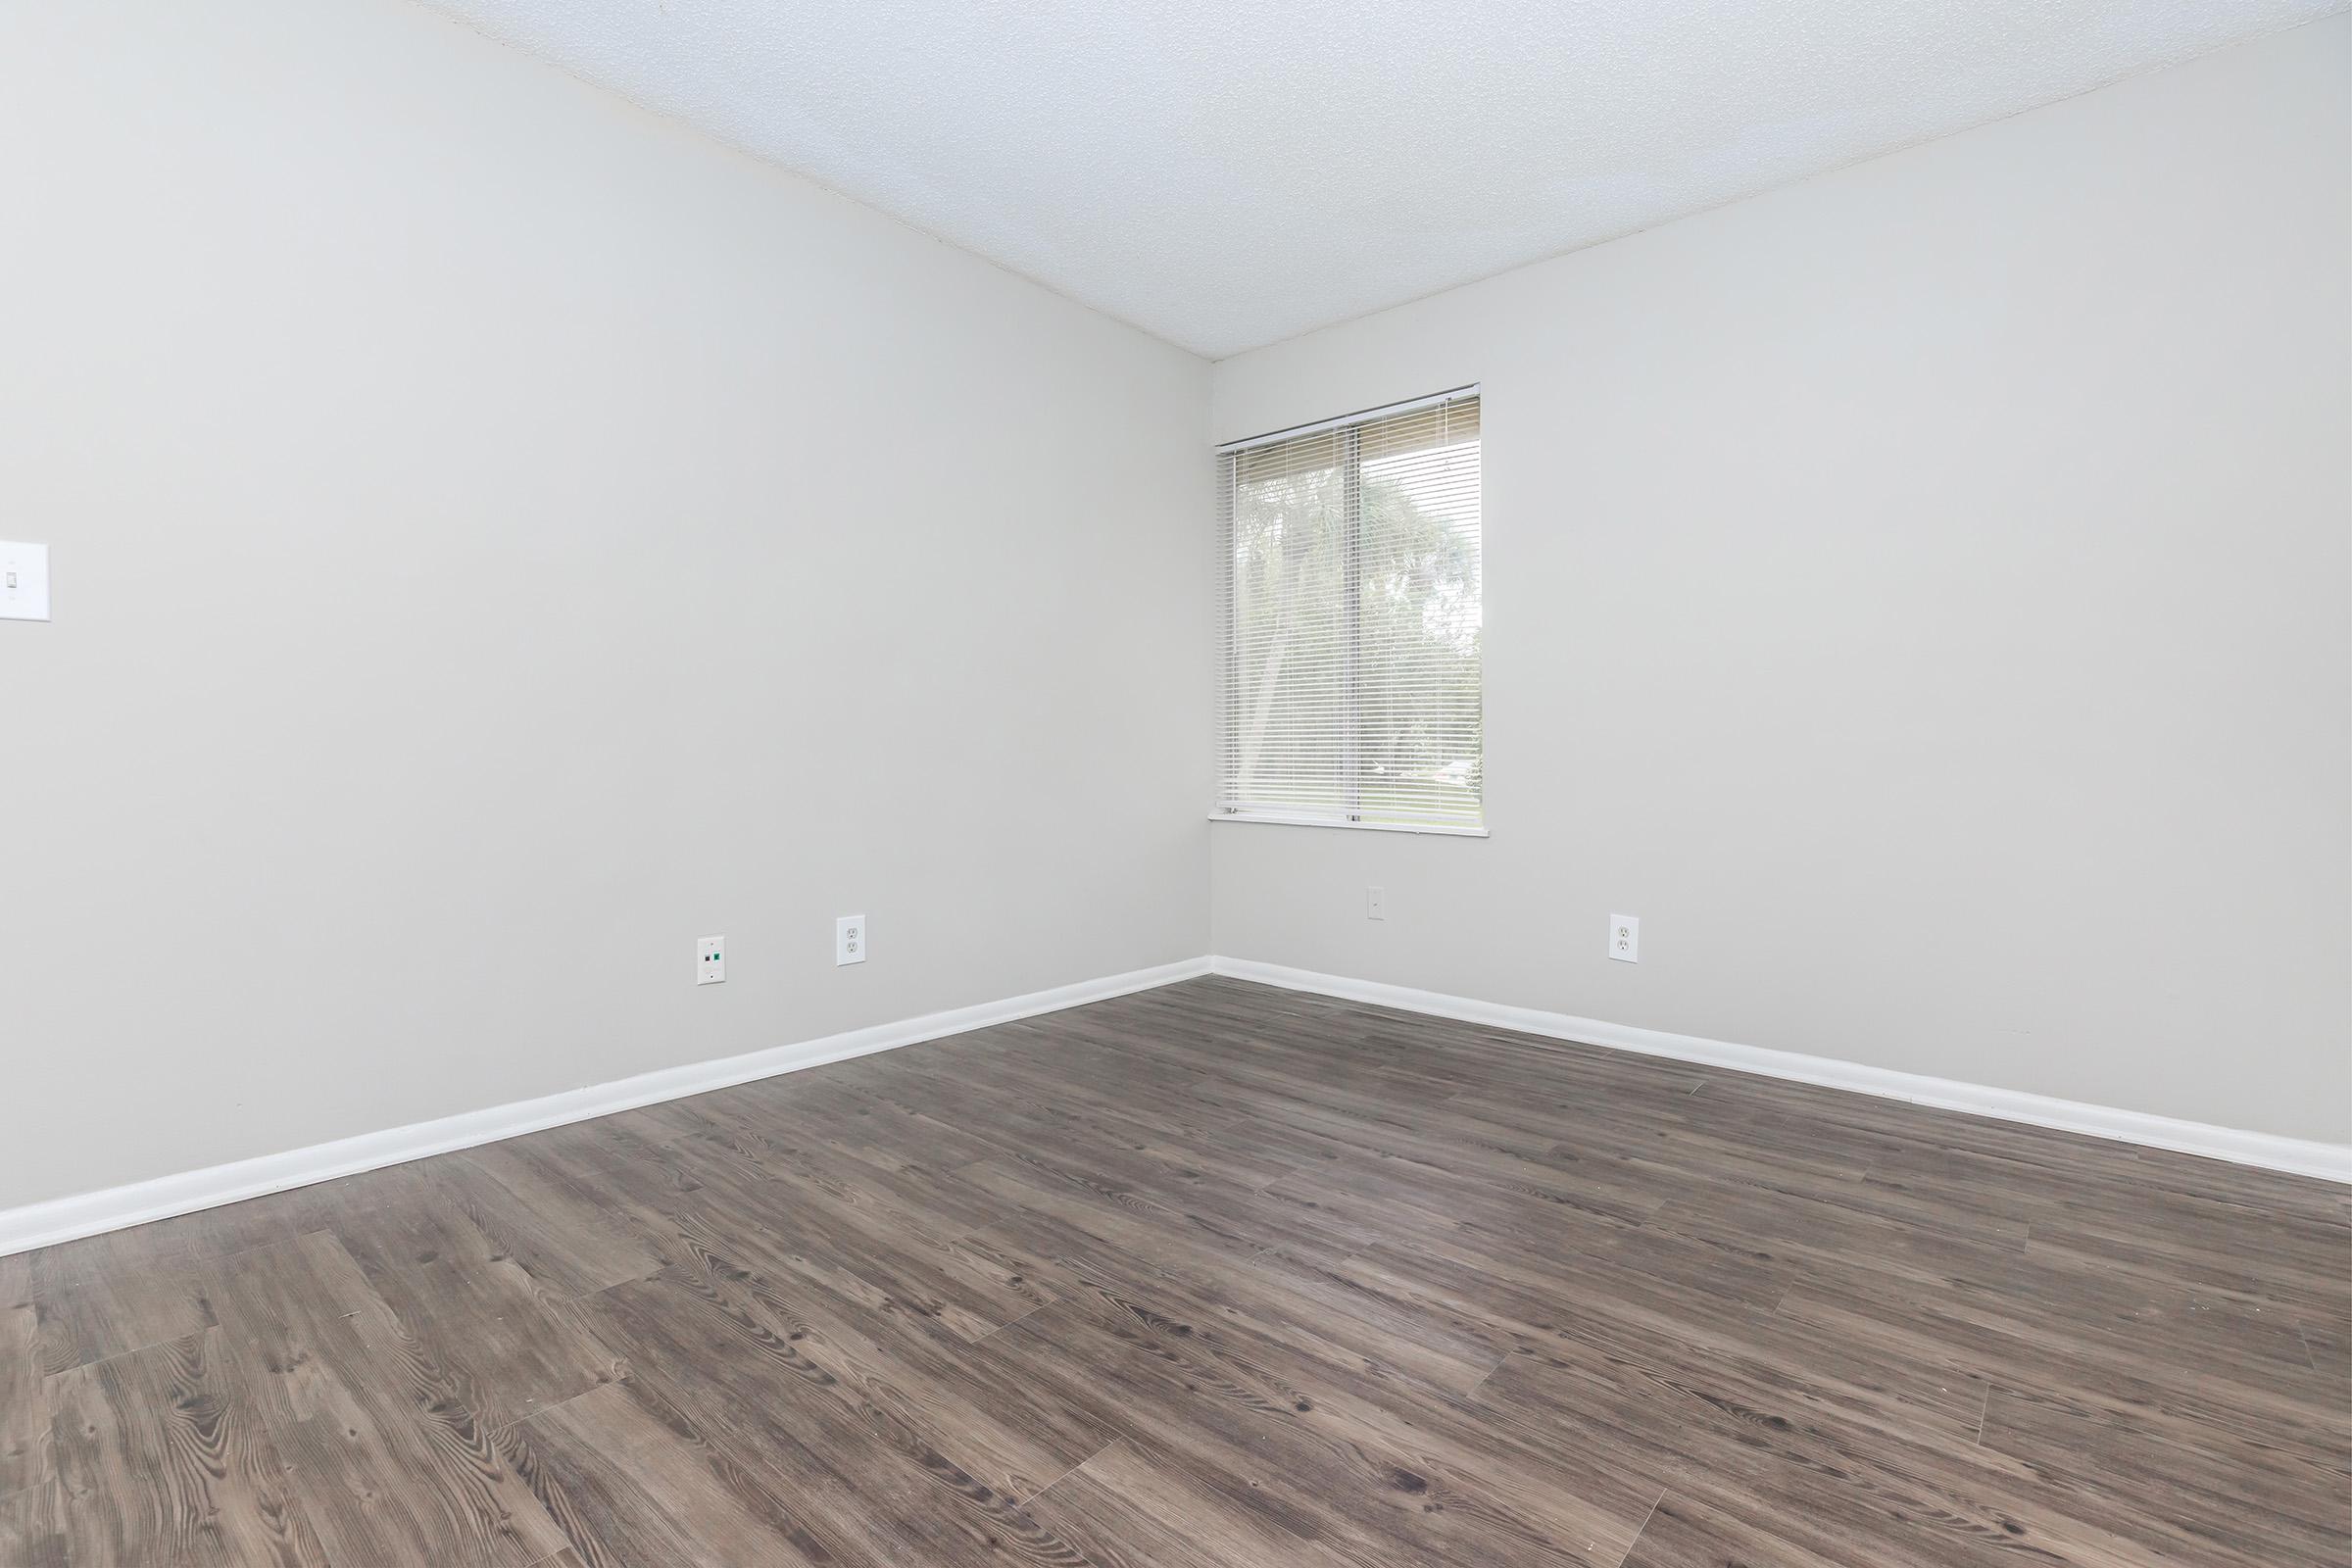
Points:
(1207, 1276)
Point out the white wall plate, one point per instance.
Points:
(23, 581)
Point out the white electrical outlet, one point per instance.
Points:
(23, 582)
(1625, 938)
(709, 960)
(849, 939)
(1374, 909)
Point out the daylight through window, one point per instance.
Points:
(1352, 611)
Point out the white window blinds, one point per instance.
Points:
(1351, 612)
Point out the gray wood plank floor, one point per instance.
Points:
(1210, 1275)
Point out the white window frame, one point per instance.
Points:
(1228, 651)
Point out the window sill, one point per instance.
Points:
(1280, 819)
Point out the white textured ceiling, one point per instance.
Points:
(1229, 173)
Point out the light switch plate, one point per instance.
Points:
(23, 581)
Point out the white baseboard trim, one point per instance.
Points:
(2331, 1162)
(65, 1219)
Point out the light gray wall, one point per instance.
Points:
(500, 537)
(1921, 596)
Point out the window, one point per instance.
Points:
(1352, 612)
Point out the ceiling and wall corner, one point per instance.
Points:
(1228, 174)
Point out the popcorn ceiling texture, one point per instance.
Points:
(1228, 173)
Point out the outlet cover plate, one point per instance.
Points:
(1625, 938)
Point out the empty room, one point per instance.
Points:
(752, 812)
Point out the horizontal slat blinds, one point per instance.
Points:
(1351, 617)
